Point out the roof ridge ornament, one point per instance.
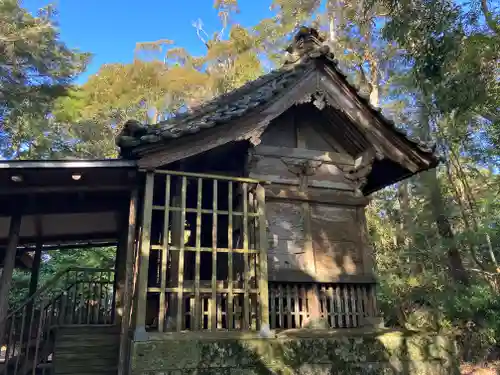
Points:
(307, 43)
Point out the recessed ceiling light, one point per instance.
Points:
(76, 176)
(16, 178)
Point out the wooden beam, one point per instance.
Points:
(20, 190)
(8, 268)
(320, 184)
(70, 202)
(28, 260)
(302, 153)
(314, 195)
(140, 318)
(299, 276)
(123, 357)
(54, 241)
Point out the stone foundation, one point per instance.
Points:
(295, 352)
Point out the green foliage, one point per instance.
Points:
(35, 68)
(431, 64)
(59, 260)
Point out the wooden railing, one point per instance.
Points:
(73, 296)
(204, 252)
(340, 305)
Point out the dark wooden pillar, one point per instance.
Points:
(37, 259)
(8, 269)
(127, 262)
(35, 269)
(121, 263)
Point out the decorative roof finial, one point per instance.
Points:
(306, 40)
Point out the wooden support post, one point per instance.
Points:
(246, 272)
(230, 303)
(35, 269)
(177, 238)
(263, 277)
(8, 268)
(213, 306)
(142, 287)
(180, 272)
(127, 286)
(164, 256)
(37, 259)
(196, 315)
(120, 265)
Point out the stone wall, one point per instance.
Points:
(302, 352)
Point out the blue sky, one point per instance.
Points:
(109, 29)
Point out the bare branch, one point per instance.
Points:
(489, 17)
(202, 34)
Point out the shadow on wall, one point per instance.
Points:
(300, 352)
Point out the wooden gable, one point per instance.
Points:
(333, 117)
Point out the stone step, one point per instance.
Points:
(86, 350)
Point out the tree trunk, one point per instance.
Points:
(374, 81)
(455, 265)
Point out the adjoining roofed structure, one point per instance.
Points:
(75, 201)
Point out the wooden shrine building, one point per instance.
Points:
(245, 214)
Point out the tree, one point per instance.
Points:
(88, 120)
(35, 68)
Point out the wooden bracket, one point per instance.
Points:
(302, 167)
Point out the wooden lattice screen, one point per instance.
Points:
(205, 236)
(342, 305)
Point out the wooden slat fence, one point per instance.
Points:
(342, 305)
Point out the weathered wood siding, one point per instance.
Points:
(335, 241)
(280, 133)
(315, 137)
(315, 223)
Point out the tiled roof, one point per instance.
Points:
(247, 98)
(220, 110)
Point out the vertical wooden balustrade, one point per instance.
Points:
(211, 272)
(341, 305)
(75, 296)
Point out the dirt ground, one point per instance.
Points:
(492, 368)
